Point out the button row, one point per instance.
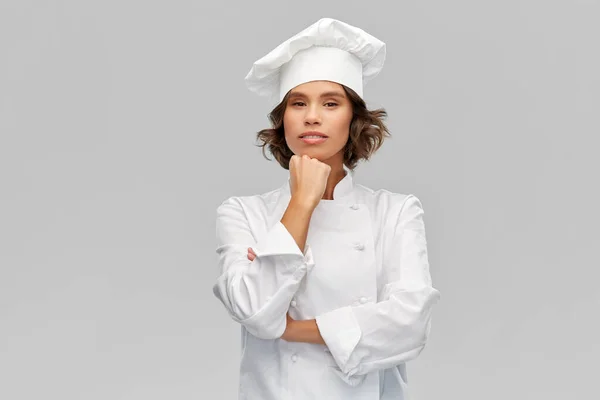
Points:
(294, 356)
(359, 246)
(361, 300)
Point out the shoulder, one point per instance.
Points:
(383, 199)
(257, 202)
(392, 210)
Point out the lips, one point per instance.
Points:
(313, 140)
(313, 133)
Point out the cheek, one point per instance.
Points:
(290, 115)
(286, 124)
(343, 124)
(288, 121)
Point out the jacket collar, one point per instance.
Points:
(341, 191)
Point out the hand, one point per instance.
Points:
(251, 254)
(308, 179)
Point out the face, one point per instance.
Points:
(321, 107)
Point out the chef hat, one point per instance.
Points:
(327, 50)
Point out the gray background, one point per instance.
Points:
(124, 124)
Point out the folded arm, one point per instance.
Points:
(394, 330)
(257, 293)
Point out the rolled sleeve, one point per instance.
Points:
(279, 242)
(341, 333)
(257, 293)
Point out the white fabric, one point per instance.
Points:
(277, 72)
(364, 277)
(321, 63)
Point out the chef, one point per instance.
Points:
(328, 279)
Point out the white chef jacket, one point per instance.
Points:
(364, 276)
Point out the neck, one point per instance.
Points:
(335, 176)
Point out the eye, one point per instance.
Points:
(297, 103)
(333, 104)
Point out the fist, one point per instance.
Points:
(308, 179)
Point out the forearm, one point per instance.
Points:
(296, 219)
(305, 331)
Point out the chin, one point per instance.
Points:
(313, 154)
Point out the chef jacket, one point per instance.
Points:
(364, 276)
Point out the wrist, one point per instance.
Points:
(302, 204)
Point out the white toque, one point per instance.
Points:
(329, 50)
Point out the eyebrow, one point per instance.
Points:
(326, 94)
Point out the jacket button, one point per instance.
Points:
(363, 300)
(293, 303)
(294, 358)
(359, 246)
(354, 206)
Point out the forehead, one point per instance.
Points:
(318, 89)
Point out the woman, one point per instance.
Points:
(340, 318)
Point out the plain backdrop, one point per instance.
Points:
(124, 124)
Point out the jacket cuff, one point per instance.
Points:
(279, 241)
(341, 332)
(290, 266)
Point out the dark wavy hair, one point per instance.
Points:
(367, 133)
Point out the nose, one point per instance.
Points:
(312, 115)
